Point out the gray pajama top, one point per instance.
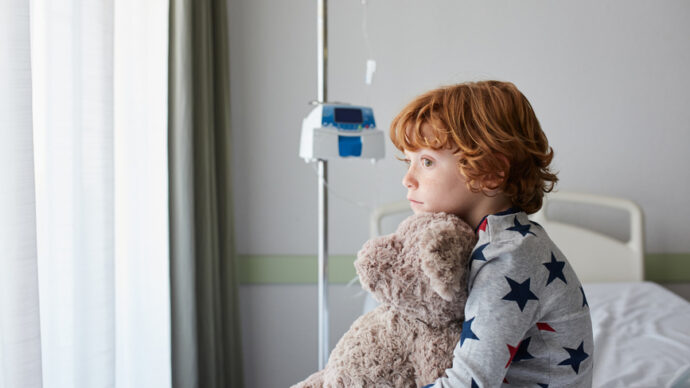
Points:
(527, 321)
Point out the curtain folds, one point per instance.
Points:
(72, 56)
(20, 337)
(206, 347)
(142, 272)
(84, 276)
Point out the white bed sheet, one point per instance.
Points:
(641, 335)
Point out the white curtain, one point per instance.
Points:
(96, 255)
(20, 342)
(142, 281)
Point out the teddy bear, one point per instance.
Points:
(419, 276)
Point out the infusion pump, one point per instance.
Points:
(336, 130)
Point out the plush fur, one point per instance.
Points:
(419, 274)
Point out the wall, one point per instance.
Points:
(608, 81)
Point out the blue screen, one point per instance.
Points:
(348, 115)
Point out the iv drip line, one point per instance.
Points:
(341, 196)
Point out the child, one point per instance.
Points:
(477, 150)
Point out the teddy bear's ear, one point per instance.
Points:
(375, 260)
(444, 251)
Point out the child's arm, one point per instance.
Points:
(500, 309)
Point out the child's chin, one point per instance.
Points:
(418, 208)
(418, 211)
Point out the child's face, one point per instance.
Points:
(435, 184)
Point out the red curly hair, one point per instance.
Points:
(492, 127)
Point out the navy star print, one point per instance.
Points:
(522, 229)
(499, 333)
(522, 353)
(467, 332)
(520, 293)
(555, 269)
(576, 357)
(584, 298)
(478, 253)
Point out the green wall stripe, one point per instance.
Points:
(667, 267)
(287, 269)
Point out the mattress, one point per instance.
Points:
(641, 335)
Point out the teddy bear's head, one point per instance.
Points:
(422, 268)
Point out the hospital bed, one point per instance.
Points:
(641, 330)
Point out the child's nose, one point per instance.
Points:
(409, 180)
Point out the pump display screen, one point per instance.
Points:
(348, 115)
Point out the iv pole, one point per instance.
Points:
(322, 54)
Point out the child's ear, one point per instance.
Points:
(497, 179)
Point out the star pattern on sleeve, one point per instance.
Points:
(584, 298)
(555, 269)
(576, 357)
(519, 293)
(467, 332)
(520, 228)
(543, 326)
(478, 253)
(520, 352)
(520, 355)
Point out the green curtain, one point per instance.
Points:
(206, 341)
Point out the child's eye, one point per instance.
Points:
(427, 162)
